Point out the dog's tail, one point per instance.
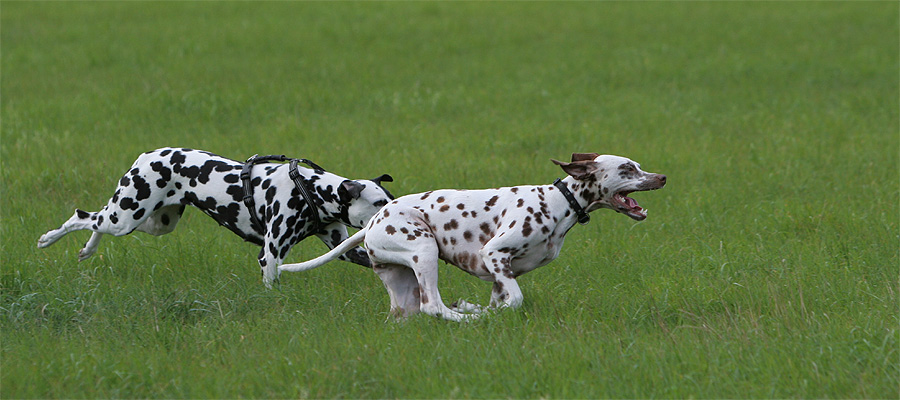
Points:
(336, 252)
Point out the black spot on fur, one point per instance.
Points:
(143, 188)
(127, 203)
(177, 158)
(165, 174)
(231, 178)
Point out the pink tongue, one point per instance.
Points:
(631, 203)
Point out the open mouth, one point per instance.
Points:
(628, 206)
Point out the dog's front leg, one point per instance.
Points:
(498, 259)
(270, 257)
(506, 293)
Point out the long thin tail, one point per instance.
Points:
(342, 248)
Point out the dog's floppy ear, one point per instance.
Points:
(579, 169)
(349, 190)
(584, 156)
(383, 178)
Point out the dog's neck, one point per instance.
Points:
(583, 192)
(324, 188)
(328, 203)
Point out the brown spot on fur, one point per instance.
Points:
(512, 224)
(440, 199)
(423, 298)
(492, 201)
(444, 208)
(461, 206)
(587, 195)
(404, 230)
(468, 236)
(390, 230)
(451, 225)
(520, 203)
(485, 228)
(415, 259)
(526, 229)
(387, 213)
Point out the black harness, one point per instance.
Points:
(583, 217)
(295, 176)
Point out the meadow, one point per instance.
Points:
(768, 266)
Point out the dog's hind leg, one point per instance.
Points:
(90, 247)
(116, 223)
(81, 220)
(410, 244)
(159, 222)
(127, 210)
(402, 287)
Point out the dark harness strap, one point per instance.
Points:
(295, 176)
(583, 217)
(298, 180)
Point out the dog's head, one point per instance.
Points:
(361, 199)
(605, 181)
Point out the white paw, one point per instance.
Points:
(44, 241)
(463, 306)
(85, 253)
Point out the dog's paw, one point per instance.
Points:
(463, 306)
(44, 241)
(85, 253)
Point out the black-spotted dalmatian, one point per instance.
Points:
(152, 195)
(495, 234)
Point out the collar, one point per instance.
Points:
(583, 217)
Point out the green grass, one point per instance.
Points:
(768, 267)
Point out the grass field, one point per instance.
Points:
(768, 267)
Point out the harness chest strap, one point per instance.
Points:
(294, 175)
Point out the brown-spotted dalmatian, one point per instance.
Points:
(495, 234)
(152, 195)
